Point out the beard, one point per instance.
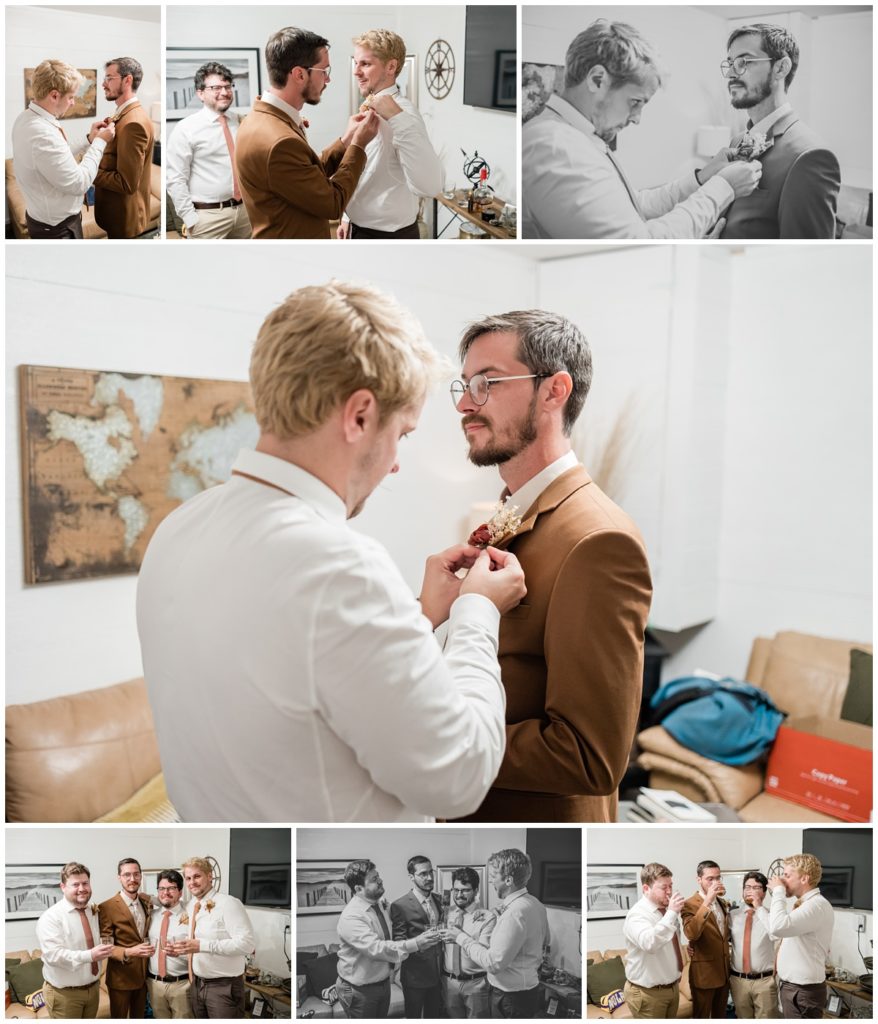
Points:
(751, 97)
(496, 452)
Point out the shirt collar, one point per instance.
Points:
(421, 897)
(212, 115)
(35, 108)
(575, 118)
(130, 899)
(392, 90)
(124, 106)
(770, 120)
(513, 896)
(294, 479)
(528, 493)
(282, 105)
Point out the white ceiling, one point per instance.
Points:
(129, 11)
(765, 11)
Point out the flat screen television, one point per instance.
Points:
(846, 857)
(260, 867)
(490, 58)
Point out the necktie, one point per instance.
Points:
(377, 912)
(89, 938)
(748, 932)
(230, 142)
(676, 940)
(195, 910)
(163, 934)
(632, 195)
(452, 950)
(432, 916)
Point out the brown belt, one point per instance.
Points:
(650, 988)
(225, 204)
(73, 988)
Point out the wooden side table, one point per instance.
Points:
(278, 1001)
(462, 213)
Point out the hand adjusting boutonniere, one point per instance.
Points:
(210, 905)
(502, 525)
(752, 146)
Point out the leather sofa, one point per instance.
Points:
(18, 1011)
(15, 206)
(89, 756)
(804, 675)
(311, 1005)
(593, 1012)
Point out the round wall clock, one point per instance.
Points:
(439, 69)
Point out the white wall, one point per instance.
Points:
(173, 315)
(732, 847)
(390, 850)
(100, 848)
(451, 125)
(35, 34)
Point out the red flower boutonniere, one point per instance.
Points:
(502, 525)
(210, 905)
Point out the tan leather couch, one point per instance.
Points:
(593, 1012)
(804, 675)
(90, 756)
(18, 1011)
(15, 205)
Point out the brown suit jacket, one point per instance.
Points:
(122, 187)
(571, 658)
(116, 919)
(709, 952)
(289, 191)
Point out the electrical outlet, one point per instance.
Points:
(861, 922)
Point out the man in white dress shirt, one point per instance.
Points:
(367, 954)
(513, 952)
(69, 939)
(573, 185)
(754, 991)
(48, 174)
(805, 931)
(307, 652)
(202, 180)
(466, 983)
(654, 963)
(167, 977)
(220, 937)
(401, 165)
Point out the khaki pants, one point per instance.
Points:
(72, 1003)
(169, 999)
(230, 222)
(754, 997)
(652, 1003)
(467, 999)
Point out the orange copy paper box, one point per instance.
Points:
(825, 764)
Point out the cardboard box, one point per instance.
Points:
(825, 764)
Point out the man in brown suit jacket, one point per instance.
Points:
(289, 191)
(122, 185)
(125, 918)
(571, 654)
(707, 926)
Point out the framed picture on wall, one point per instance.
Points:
(320, 886)
(181, 63)
(486, 898)
(85, 104)
(407, 82)
(734, 883)
(505, 68)
(611, 890)
(31, 889)
(267, 885)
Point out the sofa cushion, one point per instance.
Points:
(149, 804)
(24, 979)
(605, 977)
(595, 956)
(857, 704)
(321, 972)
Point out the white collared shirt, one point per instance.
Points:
(649, 937)
(365, 956)
(174, 965)
(224, 933)
(52, 181)
(426, 901)
(762, 947)
(528, 493)
(136, 910)
(770, 120)
(478, 923)
(61, 938)
(276, 101)
(806, 934)
(117, 113)
(198, 162)
(401, 167)
(571, 188)
(292, 674)
(514, 949)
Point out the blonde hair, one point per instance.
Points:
(512, 864)
(200, 864)
(651, 873)
(323, 343)
(386, 45)
(54, 74)
(806, 864)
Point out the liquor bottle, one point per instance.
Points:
(483, 197)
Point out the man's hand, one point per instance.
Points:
(676, 902)
(715, 164)
(182, 947)
(108, 132)
(386, 107)
(742, 175)
(775, 883)
(344, 229)
(366, 130)
(498, 576)
(441, 586)
(354, 123)
(758, 899)
(145, 949)
(99, 126)
(450, 932)
(428, 939)
(714, 888)
(101, 952)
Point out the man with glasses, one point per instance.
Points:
(571, 655)
(419, 912)
(467, 993)
(654, 964)
(125, 919)
(167, 977)
(289, 190)
(754, 991)
(202, 180)
(122, 185)
(706, 926)
(798, 190)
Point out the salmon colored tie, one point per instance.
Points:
(748, 933)
(163, 934)
(86, 927)
(678, 952)
(230, 142)
(195, 910)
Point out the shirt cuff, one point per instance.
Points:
(191, 219)
(719, 190)
(474, 609)
(99, 144)
(410, 946)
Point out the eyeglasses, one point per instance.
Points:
(168, 888)
(110, 78)
(479, 386)
(740, 64)
(219, 88)
(326, 71)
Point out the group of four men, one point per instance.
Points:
(458, 960)
(189, 960)
(772, 958)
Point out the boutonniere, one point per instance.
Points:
(479, 915)
(502, 525)
(752, 146)
(210, 905)
(306, 123)
(184, 919)
(94, 908)
(385, 906)
(499, 910)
